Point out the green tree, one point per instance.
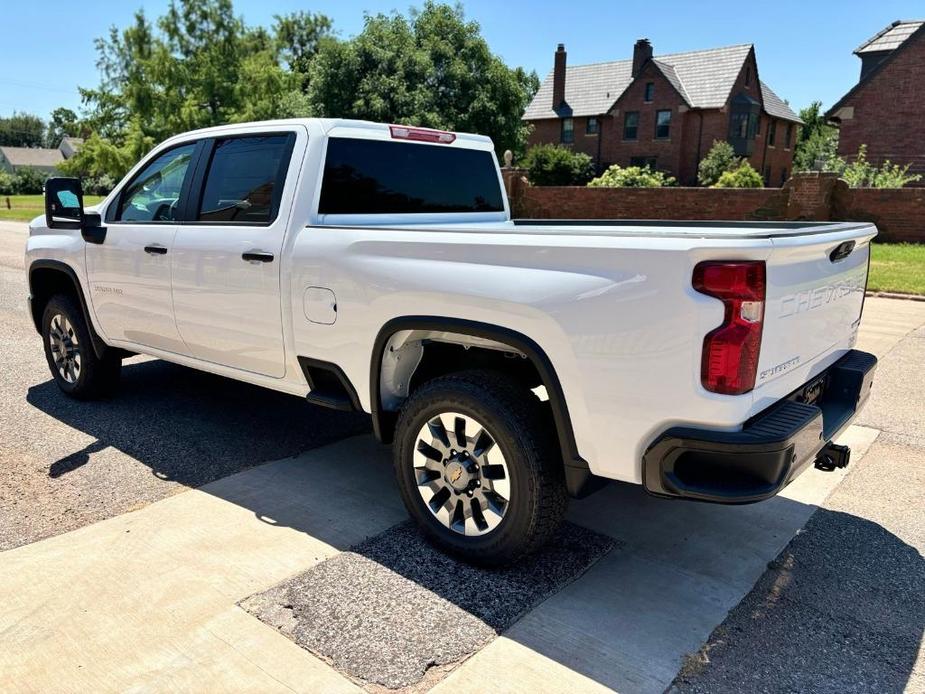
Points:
(743, 176)
(63, 123)
(555, 165)
(720, 159)
(22, 130)
(297, 37)
(632, 177)
(197, 65)
(817, 144)
(431, 68)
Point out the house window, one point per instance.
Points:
(740, 125)
(783, 176)
(650, 92)
(743, 124)
(748, 75)
(592, 126)
(767, 176)
(662, 125)
(631, 125)
(772, 132)
(789, 135)
(568, 130)
(644, 162)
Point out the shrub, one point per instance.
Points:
(720, 159)
(98, 185)
(7, 183)
(29, 181)
(22, 182)
(743, 176)
(860, 173)
(554, 165)
(632, 177)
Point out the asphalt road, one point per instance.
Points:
(842, 609)
(64, 464)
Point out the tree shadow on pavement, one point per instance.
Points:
(842, 609)
(190, 426)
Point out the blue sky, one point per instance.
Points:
(803, 48)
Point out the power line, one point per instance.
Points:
(37, 85)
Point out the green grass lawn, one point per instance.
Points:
(897, 267)
(23, 208)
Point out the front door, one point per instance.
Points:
(129, 272)
(225, 261)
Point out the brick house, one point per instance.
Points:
(666, 111)
(884, 110)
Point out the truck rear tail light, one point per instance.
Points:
(401, 132)
(730, 352)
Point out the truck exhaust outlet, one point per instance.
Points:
(833, 456)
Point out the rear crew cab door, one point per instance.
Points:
(227, 255)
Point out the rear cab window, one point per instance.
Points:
(364, 176)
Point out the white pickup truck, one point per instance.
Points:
(514, 363)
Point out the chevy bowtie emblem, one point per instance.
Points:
(455, 475)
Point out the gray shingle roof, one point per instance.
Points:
(775, 106)
(32, 156)
(891, 37)
(672, 76)
(704, 78)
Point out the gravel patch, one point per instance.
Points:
(394, 606)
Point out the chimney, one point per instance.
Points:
(558, 77)
(642, 52)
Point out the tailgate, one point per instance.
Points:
(815, 293)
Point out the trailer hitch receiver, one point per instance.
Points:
(833, 457)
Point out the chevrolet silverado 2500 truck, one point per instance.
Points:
(514, 363)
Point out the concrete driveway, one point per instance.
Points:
(148, 600)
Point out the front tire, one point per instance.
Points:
(69, 352)
(478, 468)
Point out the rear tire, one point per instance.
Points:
(478, 467)
(69, 352)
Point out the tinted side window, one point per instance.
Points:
(153, 194)
(383, 177)
(245, 179)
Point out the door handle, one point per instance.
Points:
(156, 249)
(257, 257)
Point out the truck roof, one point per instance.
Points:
(339, 127)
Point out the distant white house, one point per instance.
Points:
(41, 159)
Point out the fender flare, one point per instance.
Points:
(579, 479)
(99, 347)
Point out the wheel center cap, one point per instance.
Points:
(456, 475)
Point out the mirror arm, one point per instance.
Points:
(92, 228)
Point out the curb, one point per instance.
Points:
(896, 295)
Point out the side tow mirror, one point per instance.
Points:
(64, 203)
(64, 209)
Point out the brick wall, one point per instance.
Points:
(889, 113)
(898, 213)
